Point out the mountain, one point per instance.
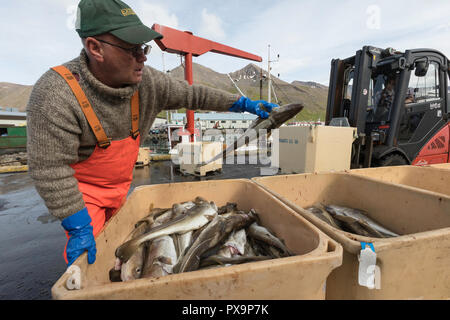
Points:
(205, 76)
(14, 95)
(315, 95)
(312, 95)
(310, 84)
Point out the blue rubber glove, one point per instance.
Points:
(81, 236)
(245, 104)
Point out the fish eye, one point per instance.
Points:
(138, 270)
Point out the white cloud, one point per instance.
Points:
(157, 12)
(65, 3)
(306, 34)
(151, 13)
(211, 26)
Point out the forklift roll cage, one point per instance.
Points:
(379, 138)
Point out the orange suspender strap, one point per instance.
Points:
(135, 115)
(86, 107)
(102, 140)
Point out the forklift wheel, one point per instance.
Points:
(392, 160)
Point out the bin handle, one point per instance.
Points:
(363, 246)
(369, 274)
(73, 282)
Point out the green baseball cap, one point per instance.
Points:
(96, 17)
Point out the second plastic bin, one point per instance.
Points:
(441, 165)
(428, 178)
(414, 265)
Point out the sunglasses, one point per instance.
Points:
(136, 51)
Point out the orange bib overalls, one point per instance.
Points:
(105, 177)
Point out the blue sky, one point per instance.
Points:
(38, 34)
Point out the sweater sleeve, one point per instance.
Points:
(52, 144)
(176, 94)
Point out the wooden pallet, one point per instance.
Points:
(12, 169)
(200, 171)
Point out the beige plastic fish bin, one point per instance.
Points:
(301, 276)
(428, 178)
(441, 165)
(414, 265)
(307, 149)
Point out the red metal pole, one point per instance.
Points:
(190, 79)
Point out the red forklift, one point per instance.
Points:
(399, 103)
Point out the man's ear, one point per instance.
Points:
(94, 49)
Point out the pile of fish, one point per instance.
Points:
(194, 235)
(350, 220)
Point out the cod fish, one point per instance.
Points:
(194, 218)
(262, 234)
(323, 215)
(216, 231)
(229, 207)
(353, 225)
(161, 257)
(163, 215)
(276, 118)
(221, 260)
(248, 250)
(182, 242)
(374, 232)
(263, 249)
(256, 247)
(160, 218)
(132, 269)
(156, 212)
(234, 245)
(199, 199)
(359, 215)
(181, 208)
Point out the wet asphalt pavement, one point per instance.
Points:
(32, 240)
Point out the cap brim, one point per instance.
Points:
(136, 34)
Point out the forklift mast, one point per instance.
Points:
(358, 70)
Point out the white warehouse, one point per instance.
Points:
(220, 120)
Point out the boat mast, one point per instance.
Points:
(269, 96)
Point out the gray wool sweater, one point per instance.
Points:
(59, 134)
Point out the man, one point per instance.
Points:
(85, 119)
(410, 96)
(385, 99)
